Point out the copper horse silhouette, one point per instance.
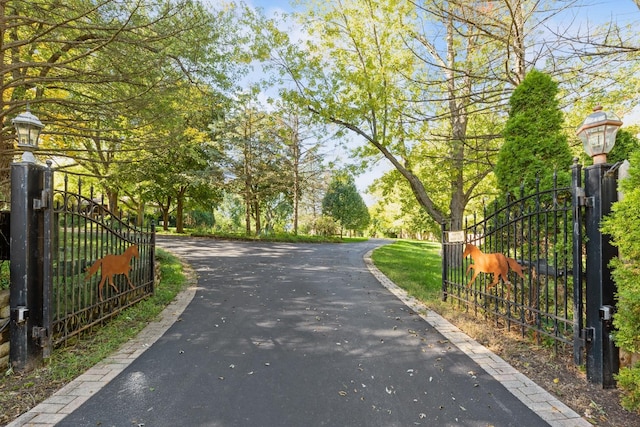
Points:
(112, 265)
(494, 263)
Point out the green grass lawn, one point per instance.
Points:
(414, 266)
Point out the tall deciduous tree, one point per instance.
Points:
(535, 145)
(185, 167)
(425, 77)
(253, 165)
(421, 83)
(301, 159)
(355, 74)
(92, 71)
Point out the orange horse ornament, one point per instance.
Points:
(494, 263)
(112, 265)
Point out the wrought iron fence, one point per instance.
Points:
(536, 231)
(87, 238)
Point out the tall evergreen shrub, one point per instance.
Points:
(534, 143)
(623, 224)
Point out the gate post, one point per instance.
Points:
(578, 298)
(26, 269)
(602, 354)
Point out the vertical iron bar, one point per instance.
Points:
(443, 228)
(47, 262)
(565, 236)
(577, 196)
(152, 256)
(554, 220)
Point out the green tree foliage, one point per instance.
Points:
(110, 81)
(624, 227)
(534, 144)
(422, 83)
(91, 72)
(399, 216)
(343, 202)
(626, 144)
(299, 155)
(254, 165)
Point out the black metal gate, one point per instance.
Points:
(84, 232)
(536, 232)
(556, 285)
(73, 263)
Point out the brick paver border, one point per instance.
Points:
(550, 409)
(74, 394)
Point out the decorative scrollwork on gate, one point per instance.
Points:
(85, 231)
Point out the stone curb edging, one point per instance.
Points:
(78, 391)
(540, 401)
(74, 394)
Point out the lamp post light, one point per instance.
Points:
(598, 134)
(28, 129)
(31, 265)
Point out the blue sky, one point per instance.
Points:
(590, 13)
(594, 9)
(271, 5)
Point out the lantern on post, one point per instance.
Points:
(28, 129)
(598, 134)
(30, 242)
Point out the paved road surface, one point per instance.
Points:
(298, 335)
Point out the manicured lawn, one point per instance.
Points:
(413, 265)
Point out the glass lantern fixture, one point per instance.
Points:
(598, 134)
(28, 129)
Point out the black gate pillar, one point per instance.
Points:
(602, 355)
(28, 196)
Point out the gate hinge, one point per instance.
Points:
(587, 334)
(19, 314)
(42, 202)
(41, 334)
(583, 200)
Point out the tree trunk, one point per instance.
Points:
(517, 29)
(165, 214)
(180, 212)
(459, 88)
(256, 211)
(247, 208)
(296, 179)
(112, 196)
(165, 219)
(140, 214)
(296, 199)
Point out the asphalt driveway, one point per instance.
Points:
(298, 335)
